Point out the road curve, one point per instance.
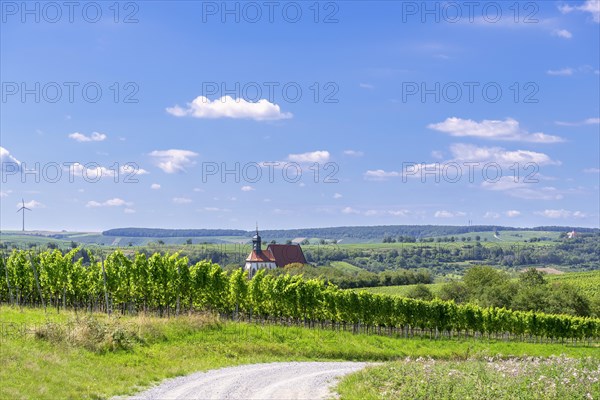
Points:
(281, 380)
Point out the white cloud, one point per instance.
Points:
(491, 215)
(562, 213)
(592, 170)
(512, 213)
(174, 160)
(31, 204)
(97, 172)
(131, 169)
(319, 156)
(523, 190)
(437, 154)
(181, 200)
(94, 137)
(508, 129)
(588, 121)
(337, 196)
(350, 210)
(449, 214)
(114, 202)
(5, 156)
(366, 86)
(5, 194)
(563, 33)
(228, 107)
(380, 175)
(353, 153)
(382, 213)
(155, 186)
(560, 72)
(216, 209)
(471, 153)
(590, 6)
(129, 211)
(247, 188)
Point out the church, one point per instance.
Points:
(275, 256)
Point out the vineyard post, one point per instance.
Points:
(37, 281)
(104, 279)
(10, 295)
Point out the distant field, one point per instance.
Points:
(587, 282)
(90, 238)
(345, 267)
(402, 290)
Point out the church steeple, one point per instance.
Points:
(256, 242)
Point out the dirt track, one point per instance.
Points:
(285, 380)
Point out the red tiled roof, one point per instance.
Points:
(264, 256)
(286, 254)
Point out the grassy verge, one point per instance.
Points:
(50, 356)
(513, 378)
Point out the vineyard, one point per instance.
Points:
(587, 282)
(167, 285)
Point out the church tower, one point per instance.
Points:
(257, 243)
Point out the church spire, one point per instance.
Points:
(256, 242)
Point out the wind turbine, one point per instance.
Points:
(22, 209)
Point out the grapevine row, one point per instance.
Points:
(168, 284)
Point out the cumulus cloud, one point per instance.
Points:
(384, 213)
(562, 213)
(93, 172)
(509, 129)
(247, 188)
(590, 6)
(353, 153)
(491, 215)
(587, 121)
(471, 153)
(563, 33)
(319, 156)
(129, 211)
(174, 160)
(381, 175)
(228, 107)
(181, 200)
(5, 156)
(560, 72)
(521, 189)
(337, 196)
(449, 214)
(114, 202)
(155, 186)
(216, 209)
(350, 210)
(94, 137)
(31, 204)
(512, 213)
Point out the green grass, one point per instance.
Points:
(476, 378)
(48, 364)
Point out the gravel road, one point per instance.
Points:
(282, 380)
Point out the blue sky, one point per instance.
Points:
(393, 113)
